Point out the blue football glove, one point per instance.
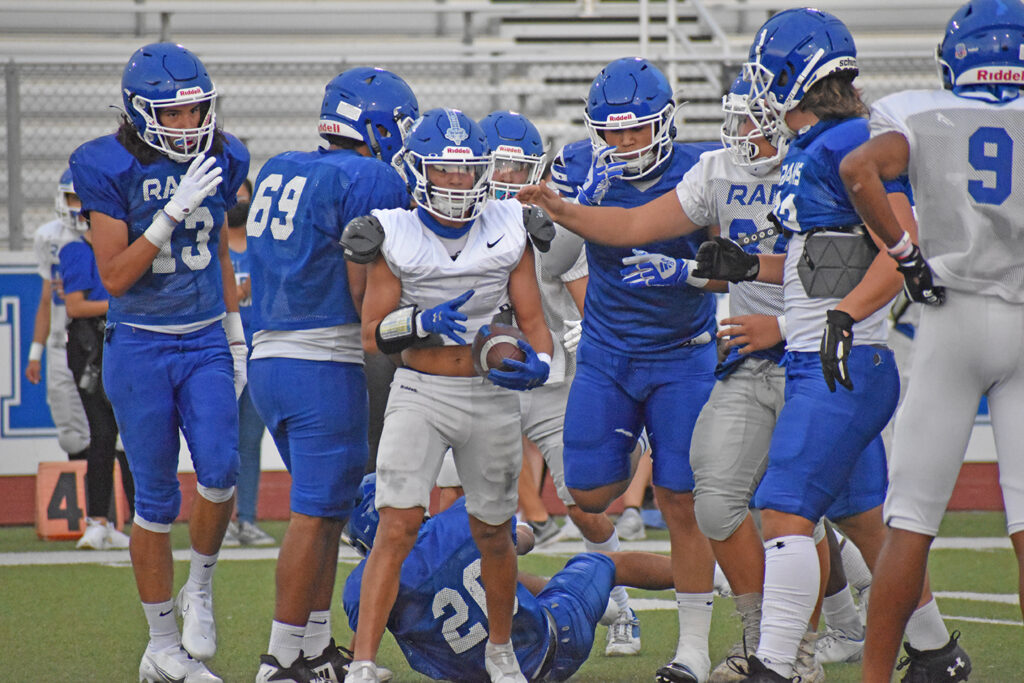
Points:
(524, 375)
(445, 318)
(657, 270)
(599, 177)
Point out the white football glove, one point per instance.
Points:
(239, 351)
(198, 183)
(571, 339)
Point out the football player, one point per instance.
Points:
(48, 333)
(836, 290)
(306, 342)
(156, 193)
(957, 144)
(438, 274)
(440, 618)
(645, 357)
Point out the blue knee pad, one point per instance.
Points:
(576, 597)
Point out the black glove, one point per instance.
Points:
(835, 349)
(917, 279)
(722, 259)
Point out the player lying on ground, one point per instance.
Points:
(439, 616)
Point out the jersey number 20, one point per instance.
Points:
(450, 597)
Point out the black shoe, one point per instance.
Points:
(331, 665)
(271, 671)
(674, 672)
(757, 672)
(948, 663)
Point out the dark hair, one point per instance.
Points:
(342, 142)
(128, 136)
(247, 184)
(834, 97)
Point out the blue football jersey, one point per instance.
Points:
(183, 284)
(648, 321)
(240, 264)
(812, 165)
(439, 618)
(78, 271)
(301, 203)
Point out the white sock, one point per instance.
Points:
(318, 633)
(694, 623)
(925, 629)
(285, 642)
(200, 571)
(858, 576)
(163, 629)
(791, 580)
(841, 613)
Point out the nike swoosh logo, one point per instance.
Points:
(314, 621)
(491, 244)
(164, 614)
(207, 566)
(168, 678)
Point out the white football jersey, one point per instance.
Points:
(429, 276)
(966, 168)
(715, 191)
(565, 261)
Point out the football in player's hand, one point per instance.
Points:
(493, 344)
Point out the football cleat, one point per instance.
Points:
(503, 667)
(807, 668)
(836, 645)
(362, 672)
(675, 672)
(198, 630)
(624, 635)
(948, 663)
(271, 671)
(544, 532)
(630, 525)
(250, 534)
(231, 536)
(569, 531)
(733, 667)
(95, 536)
(173, 665)
(116, 540)
(331, 664)
(757, 672)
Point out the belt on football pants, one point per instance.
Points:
(549, 656)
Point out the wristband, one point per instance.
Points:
(35, 352)
(159, 231)
(901, 249)
(545, 357)
(233, 328)
(781, 320)
(420, 332)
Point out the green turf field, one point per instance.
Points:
(83, 622)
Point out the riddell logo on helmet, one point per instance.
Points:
(189, 92)
(1001, 75)
(510, 149)
(329, 127)
(628, 116)
(462, 151)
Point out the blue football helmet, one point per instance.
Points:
(740, 133)
(792, 51)
(517, 150)
(362, 525)
(167, 75)
(446, 142)
(982, 54)
(371, 105)
(628, 93)
(70, 218)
